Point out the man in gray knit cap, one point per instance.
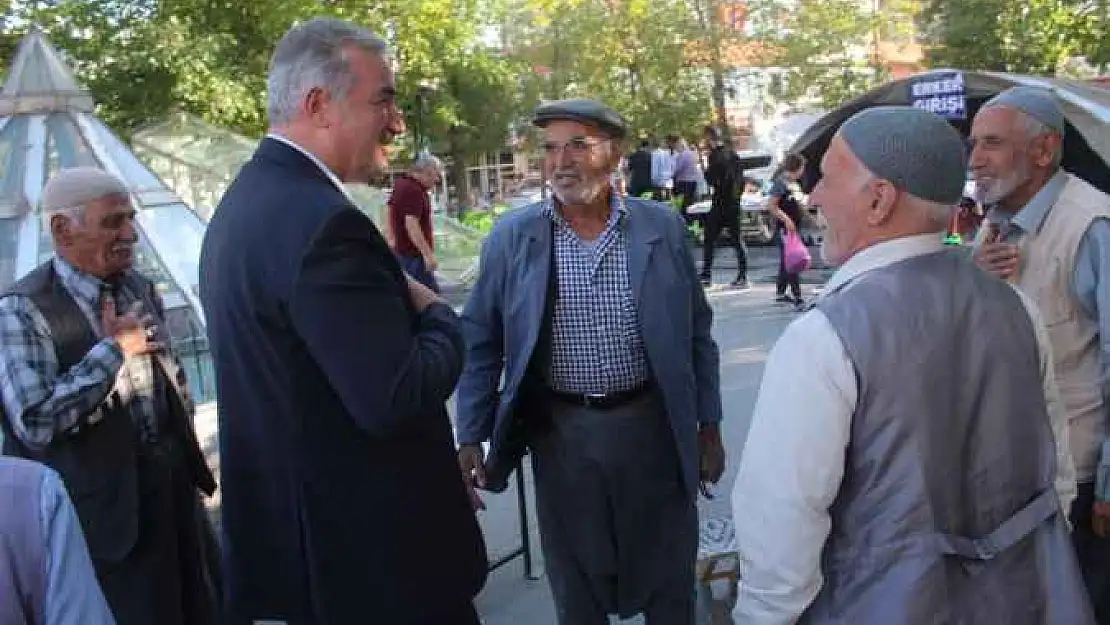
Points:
(901, 466)
(1048, 232)
(89, 389)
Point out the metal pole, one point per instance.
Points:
(525, 533)
(714, 18)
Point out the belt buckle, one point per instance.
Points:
(593, 399)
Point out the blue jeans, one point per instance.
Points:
(415, 267)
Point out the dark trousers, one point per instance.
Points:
(660, 194)
(170, 576)
(688, 191)
(619, 531)
(785, 279)
(1092, 552)
(415, 267)
(721, 217)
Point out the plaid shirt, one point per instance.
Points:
(42, 401)
(596, 344)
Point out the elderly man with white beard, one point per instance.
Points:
(588, 308)
(905, 464)
(1048, 232)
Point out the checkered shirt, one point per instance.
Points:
(596, 344)
(40, 400)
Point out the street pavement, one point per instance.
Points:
(746, 325)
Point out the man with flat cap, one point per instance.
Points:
(588, 305)
(90, 389)
(902, 465)
(1048, 232)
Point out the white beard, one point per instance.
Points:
(999, 188)
(579, 194)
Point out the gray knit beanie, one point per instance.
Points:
(1038, 103)
(917, 151)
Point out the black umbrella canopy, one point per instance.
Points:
(1086, 106)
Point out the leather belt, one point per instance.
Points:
(603, 401)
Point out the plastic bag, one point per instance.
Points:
(795, 255)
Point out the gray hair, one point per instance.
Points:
(425, 162)
(311, 55)
(73, 213)
(1033, 128)
(938, 213)
(68, 192)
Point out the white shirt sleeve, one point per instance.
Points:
(790, 471)
(1057, 412)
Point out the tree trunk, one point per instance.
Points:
(714, 19)
(458, 170)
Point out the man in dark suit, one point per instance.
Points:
(588, 340)
(340, 487)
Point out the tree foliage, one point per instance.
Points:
(630, 54)
(1032, 37)
(826, 46)
(143, 59)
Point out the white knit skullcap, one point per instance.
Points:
(1040, 104)
(77, 186)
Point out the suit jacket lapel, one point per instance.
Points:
(540, 249)
(641, 242)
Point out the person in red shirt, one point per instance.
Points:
(410, 220)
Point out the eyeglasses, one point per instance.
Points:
(575, 147)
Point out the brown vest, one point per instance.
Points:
(1047, 270)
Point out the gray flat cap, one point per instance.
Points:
(76, 186)
(1040, 104)
(917, 151)
(585, 111)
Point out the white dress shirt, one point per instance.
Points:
(793, 462)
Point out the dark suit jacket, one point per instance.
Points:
(342, 497)
(505, 312)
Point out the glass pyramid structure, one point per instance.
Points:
(199, 160)
(47, 123)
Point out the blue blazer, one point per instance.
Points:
(502, 318)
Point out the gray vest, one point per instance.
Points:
(22, 544)
(946, 514)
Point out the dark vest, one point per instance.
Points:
(98, 462)
(946, 514)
